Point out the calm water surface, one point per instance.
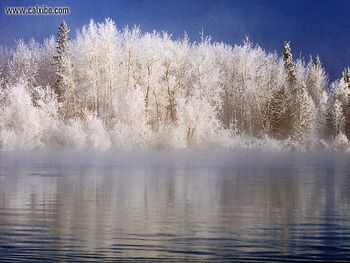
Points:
(161, 206)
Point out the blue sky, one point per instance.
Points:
(313, 27)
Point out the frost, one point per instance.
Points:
(124, 89)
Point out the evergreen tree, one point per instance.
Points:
(64, 84)
(279, 114)
(288, 62)
(61, 54)
(302, 108)
(280, 106)
(341, 104)
(346, 77)
(345, 81)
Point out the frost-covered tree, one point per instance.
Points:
(340, 119)
(322, 116)
(97, 54)
(248, 77)
(346, 77)
(330, 129)
(340, 106)
(5, 56)
(344, 96)
(282, 105)
(24, 64)
(316, 85)
(86, 54)
(46, 68)
(303, 117)
(288, 62)
(279, 114)
(316, 80)
(64, 85)
(302, 108)
(133, 89)
(109, 52)
(2, 79)
(24, 123)
(204, 94)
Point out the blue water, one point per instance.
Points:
(161, 206)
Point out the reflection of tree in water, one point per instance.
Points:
(251, 202)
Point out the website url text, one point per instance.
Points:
(37, 10)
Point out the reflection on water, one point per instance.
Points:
(174, 206)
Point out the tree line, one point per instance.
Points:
(111, 87)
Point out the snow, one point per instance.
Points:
(124, 89)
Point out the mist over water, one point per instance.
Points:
(119, 145)
(174, 206)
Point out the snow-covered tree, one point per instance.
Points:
(85, 54)
(316, 79)
(344, 97)
(340, 119)
(303, 117)
(24, 63)
(114, 87)
(109, 52)
(282, 105)
(316, 85)
(288, 62)
(279, 114)
(2, 79)
(340, 106)
(346, 77)
(46, 70)
(64, 85)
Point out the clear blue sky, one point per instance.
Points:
(313, 27)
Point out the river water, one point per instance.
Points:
(174, 206)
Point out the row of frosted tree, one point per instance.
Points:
(123, 88)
